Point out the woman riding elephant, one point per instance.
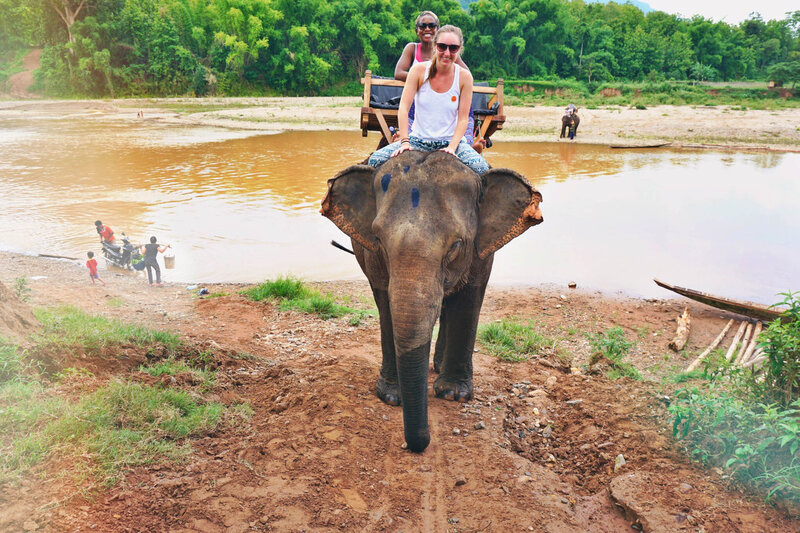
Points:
(426, 25)
(442, 94)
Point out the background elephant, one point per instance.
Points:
(570, 121)
(424, 229)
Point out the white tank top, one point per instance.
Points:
(436, 114)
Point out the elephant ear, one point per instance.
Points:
(350, 204)
(510, 206)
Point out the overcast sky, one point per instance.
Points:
(731, 11)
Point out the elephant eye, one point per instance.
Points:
(452, 254)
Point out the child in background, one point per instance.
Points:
(91, 264)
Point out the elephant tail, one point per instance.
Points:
(341, 247)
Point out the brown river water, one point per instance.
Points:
(242, 206)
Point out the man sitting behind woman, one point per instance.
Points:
(442, 94)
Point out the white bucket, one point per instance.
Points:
(169, 260)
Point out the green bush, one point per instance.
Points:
(781, 344)
(758, 442)
(746, 420)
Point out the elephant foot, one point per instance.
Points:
(453, 389)
(388, 392)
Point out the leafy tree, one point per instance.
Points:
(782, 73)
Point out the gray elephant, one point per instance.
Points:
(571, 121)
(424, 229)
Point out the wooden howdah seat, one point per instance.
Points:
(382, 98)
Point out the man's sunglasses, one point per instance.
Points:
(453, 47)
(427, 25)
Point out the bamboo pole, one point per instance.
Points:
(682, 333)
(751, 348)
(735, 342)
(710, 347)
(757, 360)
(745, 341)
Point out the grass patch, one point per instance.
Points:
(102, 433)
(115, 302)
(121, 425)
(68, 326)
(173, 367)
(513, 341)
(293, 295)
(612, 347)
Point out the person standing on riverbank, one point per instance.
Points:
(150, 252)
(91, 264)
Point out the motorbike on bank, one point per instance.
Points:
(124, 255)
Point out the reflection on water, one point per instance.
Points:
(243, 206)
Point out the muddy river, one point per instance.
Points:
(243, 206)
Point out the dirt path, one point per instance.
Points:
(535, 450)
(20, 83)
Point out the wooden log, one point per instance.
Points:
(752, 346)
(735, 343)
(745, 342)
(710, 347)
(757, 360)
(682, 333)
(58, 257)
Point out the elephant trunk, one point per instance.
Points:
(412, 369)
(415, 305)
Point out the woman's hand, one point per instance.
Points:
(404, 147)
(448, 150)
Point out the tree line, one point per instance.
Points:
(234, 47)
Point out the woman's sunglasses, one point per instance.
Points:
(427, 25)
(453, 47)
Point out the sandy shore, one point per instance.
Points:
(687, 126)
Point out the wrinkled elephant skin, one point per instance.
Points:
(424, 229)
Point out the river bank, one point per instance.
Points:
(309, 384)
(726, 127)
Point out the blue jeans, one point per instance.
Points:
(464, 152)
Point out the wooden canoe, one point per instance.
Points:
(657, 145)
(751, 309)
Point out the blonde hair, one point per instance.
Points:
(447, 28)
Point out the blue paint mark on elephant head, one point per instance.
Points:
(414, 197)
(385, 181)
(405, 168)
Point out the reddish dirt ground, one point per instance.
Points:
(20, 83)
(534, 451)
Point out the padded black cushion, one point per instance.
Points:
(384, 97)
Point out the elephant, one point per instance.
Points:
(570, 121)
(424, 228)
